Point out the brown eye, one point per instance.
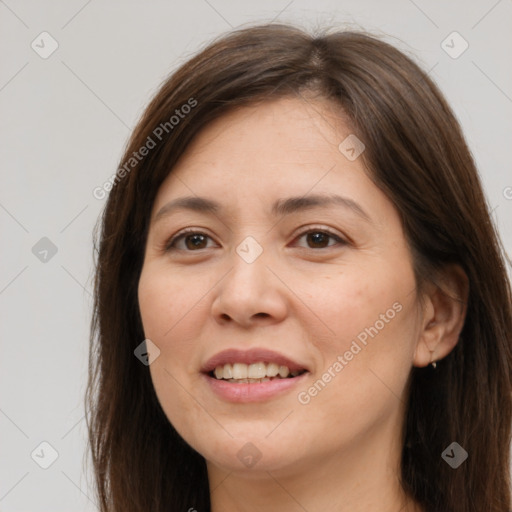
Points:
(193, 240)
(318, 239)
(196, 240)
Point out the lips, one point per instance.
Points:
(243, 390)
(256, 355)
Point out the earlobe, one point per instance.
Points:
(444, 313)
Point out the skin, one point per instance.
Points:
(305, 297)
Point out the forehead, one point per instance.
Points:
(290, 145)
(268, 129)
(259, 164)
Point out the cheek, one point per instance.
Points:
(366, 360)
(167, 309)
(368, 318)
(165, 302)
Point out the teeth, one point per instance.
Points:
(249, 381)
(227, 371)
(272, 369)
(283, 371)
(239, 371)
(256, 372)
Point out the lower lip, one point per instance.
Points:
(254, 392)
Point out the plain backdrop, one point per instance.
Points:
(64, 120)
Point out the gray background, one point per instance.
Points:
(64, 122)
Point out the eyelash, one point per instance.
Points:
(168, 247)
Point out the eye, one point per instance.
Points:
(197, 240)
(193, 240)
(318, 237)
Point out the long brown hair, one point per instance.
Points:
(416, 153)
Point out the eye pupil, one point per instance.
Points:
(318, 237)
(195, 237)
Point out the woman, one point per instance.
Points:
(301, 301)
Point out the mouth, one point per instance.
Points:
(241, 373)
(253, 375)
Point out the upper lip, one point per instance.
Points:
(255, 355)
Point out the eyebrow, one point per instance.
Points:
(280, 208)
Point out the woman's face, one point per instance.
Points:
(263, 283)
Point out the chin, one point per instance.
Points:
(250, 455)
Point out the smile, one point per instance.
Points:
(253, 375)
(242, 373)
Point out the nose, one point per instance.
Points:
(250, 293)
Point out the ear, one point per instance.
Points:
(444, 312)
